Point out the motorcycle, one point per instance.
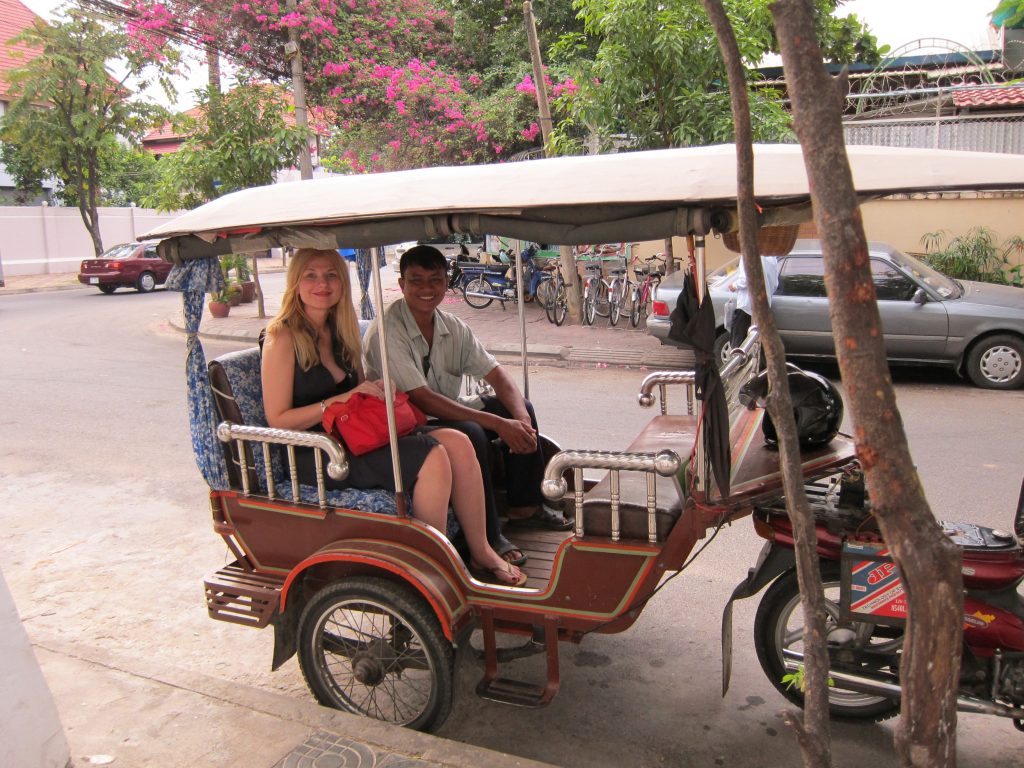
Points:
(456, 277)
(867, 606)
(486, 283)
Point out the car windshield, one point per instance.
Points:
(946, 287)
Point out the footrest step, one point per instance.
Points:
(514, 692)
(239, 596)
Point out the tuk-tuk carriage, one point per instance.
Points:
(373, 600)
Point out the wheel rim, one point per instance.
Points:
(375, 664)
(1000, 364)
(147, 282)
(789, 636)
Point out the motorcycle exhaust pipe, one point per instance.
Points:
(861, 684)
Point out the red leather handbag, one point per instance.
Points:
(361, 422)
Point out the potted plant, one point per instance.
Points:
(244, 276)
(220, 301)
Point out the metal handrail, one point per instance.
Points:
(665, 463)
(337, 465)
(662, 379)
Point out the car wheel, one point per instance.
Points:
(146, 282)
(997, 362)
(722, 349)
(108, 289)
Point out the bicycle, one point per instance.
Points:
(556, 305)
(642, 296)
(603, 295)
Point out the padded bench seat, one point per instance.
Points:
(675, 433)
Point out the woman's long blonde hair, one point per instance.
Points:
(341, 319)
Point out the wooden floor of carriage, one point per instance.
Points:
(540, 547)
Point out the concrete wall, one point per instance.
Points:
(30, 729)
(39, 240)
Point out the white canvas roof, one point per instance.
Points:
(565, 201)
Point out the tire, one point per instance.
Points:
(559, 304)
(635, 307)
(374, 648)
(590, 301)
(601, 298)
(477, 285)
(722, 348)
(615, 302)
(779, 623)
(543, 292)
(146, 282)
(997, 362)
(107, 289)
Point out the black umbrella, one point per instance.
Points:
(693, 325)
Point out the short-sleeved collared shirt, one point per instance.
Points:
(456, 352)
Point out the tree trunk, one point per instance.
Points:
(929, 563)
(813, 728)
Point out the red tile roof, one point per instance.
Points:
(14, 17)
(990, 97)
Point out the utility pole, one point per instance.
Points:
(294, 55)
(572, 279)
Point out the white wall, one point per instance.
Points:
(38, 240)
(30, 729)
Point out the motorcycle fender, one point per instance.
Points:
(771, 563)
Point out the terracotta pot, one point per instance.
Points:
(248, 291)
(219, 309)
(236, 299)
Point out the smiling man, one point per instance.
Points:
(429, 352)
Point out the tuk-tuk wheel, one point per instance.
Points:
(373, 647)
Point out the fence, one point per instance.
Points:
(41, 240)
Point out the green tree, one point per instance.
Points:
(241, 139)
(68, 109)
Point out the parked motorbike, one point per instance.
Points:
(489, 282)
(867, 606)
(456, 277)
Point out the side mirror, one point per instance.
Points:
(919, 297)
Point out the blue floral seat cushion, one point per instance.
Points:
(242, 370)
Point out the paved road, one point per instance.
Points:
(107, 536)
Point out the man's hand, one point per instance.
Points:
(519, 437)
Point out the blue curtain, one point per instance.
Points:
(195, 279)
(364, 263)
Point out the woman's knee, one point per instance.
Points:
(459, 447)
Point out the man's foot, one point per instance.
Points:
(509, 552)
(543, 517)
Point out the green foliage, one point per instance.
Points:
(68, 110)
(798, 679)
(240, 140)
(975, 255)
(1009, 13)
(127, 175)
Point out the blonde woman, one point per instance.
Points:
(312, 357)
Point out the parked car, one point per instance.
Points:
(454, 248)
(128, 265)
(927, 318)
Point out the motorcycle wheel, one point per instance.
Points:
(779, 625)
(477, 285)
(374, 648)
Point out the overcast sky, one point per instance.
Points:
(893, 22)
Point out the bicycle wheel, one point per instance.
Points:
(551, 296)
(471, 293)
(560, 303)
(590, 300)
(543, 291)
(601, 298)
(615, 301)
(634, 305)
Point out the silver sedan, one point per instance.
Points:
(927, 318)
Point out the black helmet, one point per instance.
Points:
(817, 406)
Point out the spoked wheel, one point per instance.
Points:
(855, 647)
(590, 301)
(374, 648)
(477, 285)
(601, 304)
(636, 308)
(615, 300)
(543, 292)
(559, 303)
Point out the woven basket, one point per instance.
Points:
(771, 241)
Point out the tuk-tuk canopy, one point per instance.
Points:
(566, 200)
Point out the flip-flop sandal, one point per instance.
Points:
(505, 548)
(502, 576)
(544, 518)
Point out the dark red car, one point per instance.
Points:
(129, 265)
